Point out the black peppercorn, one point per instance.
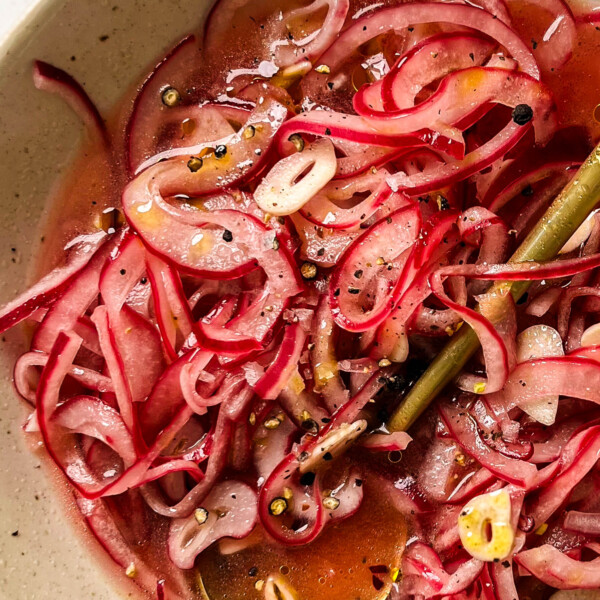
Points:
(308, 478)
(220, 151)
(522, 114)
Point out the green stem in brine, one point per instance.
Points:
(568, 211)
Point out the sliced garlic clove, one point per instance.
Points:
(295, 179)
(581, 235)
(540, 341)
(591, 336)
(484, 526)
(279, 588)
(333, 444)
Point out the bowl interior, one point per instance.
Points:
(107, 45)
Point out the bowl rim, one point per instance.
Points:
(19, 29)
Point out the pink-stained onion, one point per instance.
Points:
(371, 268)
(309, 211)
(49, 78)
(189, 126)
(437, 237)
(399, 18)
(539, 378)
(172, 309)
(425, 575)
(279, 372)
(79, 253)
(324, 208)
(559, 570)
(87, 377)
(398, 135)
(272, 446)
(465, 432)
(313, 45)
(326, 374)
(558, 41)
(76, 299)
(586, 523)
(146, 208)
(245, 154)
(149, 109)
(429, 61)
(387, 442)
(321, 245)
(578, 458)
(284, 48)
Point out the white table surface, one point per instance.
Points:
(11, 12)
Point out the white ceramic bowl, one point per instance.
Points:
(43, 555)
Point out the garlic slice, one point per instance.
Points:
(282, 191)
(581, 235)
(591, 336)
(484, 526)
(279, 588)
(540, 341)
(333, 443)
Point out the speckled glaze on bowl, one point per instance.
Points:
(107, 45)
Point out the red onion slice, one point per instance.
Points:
(312, 518)
(149, 109)
(373, 265)
(90, 379)
(245, 153)
(49, 78)
(272, 446)
(195, 246)
(558, 570)
(185, 127)
(427, 62)
(278, 374)
(172, 309)
(399, 18)
(540, 341)
(465, 432)
(437, 237)
(65, 314)
(539, 378)
(116, 368)
(459, 170)
(581, 522)
(476, 483)
(578, 458)
(275, 36)
(327, 377)
(323, 209)
(313, 45)
(425, 575)
(383, 442)
(494, 326)
(321, 245)
(399, 135)
(79, 253)
(102, 525)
